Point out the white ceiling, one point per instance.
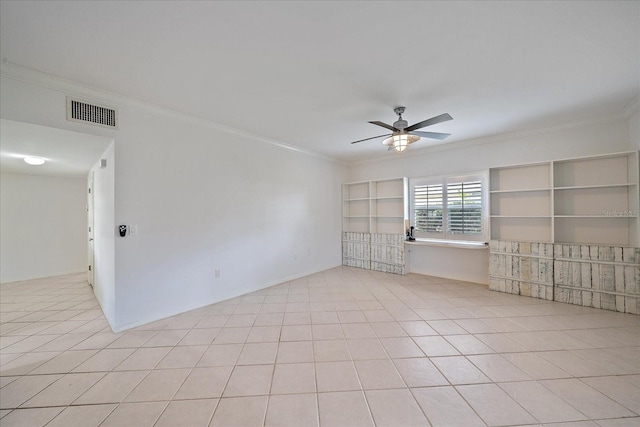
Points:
(311, 74)
(67, 154)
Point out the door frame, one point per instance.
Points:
(90, 229)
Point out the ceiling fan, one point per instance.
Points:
(403, 135)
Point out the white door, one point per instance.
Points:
(90, 224)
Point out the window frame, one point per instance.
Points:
(445, 182)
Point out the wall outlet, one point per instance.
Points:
(217, 272)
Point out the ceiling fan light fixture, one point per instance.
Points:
(401, 141)
(34, 161)
(402, 135)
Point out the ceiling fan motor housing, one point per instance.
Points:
(400, 124)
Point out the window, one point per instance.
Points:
(464, 208)
(452, 207)
(428, 207)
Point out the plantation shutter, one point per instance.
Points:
(450, 207)
(464, 208)
(428, 207)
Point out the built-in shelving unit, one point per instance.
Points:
(591, 200)
(355, 207)
(388, 206)
(521, 203)
(596, 199)
(378, 210)
(568, 230)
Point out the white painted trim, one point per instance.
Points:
(47, 81)
(460, 244)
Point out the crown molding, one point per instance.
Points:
(68, 87)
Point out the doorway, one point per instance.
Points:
(49, 215)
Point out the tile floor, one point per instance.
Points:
(344, 347)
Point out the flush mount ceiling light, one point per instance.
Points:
(403, 135)
(34, 161)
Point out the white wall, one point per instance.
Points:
(43, 226)
(470, 156)
(469, 265)
(203, 198)
(206, 200)
(634, 130)
(103, 234)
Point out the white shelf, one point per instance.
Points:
(588, 200)
(522, 190)
(388, 188)
(447, 243)
(521, 204)
(530, 177)
(381, 203)
(596, 171)
(594, 231)
(521, 216)
(582, 187)
(594, 157)
(524, 229)
(356, 191)
(598, 216)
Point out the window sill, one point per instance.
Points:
(460, 244)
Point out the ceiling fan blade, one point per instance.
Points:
(373, 137)
(384, 125)
(432, 135)
(432, 121)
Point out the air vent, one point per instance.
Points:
(80, 111)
